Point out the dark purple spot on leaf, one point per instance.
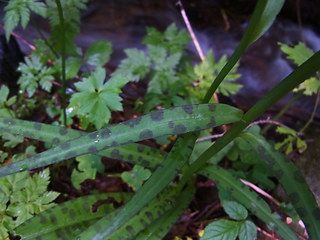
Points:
(115, 154)
(132, 122)
(316, 213)
(212, 107)
(65, 145)
(298, 176)
(145, 134)
(71, 154)
(141, 148)
(53, 219)
(212, 123)
(55, 141)
(93, 150)
(170, 124)
(130, 157)
(143, 223)
(105, 133)
(130, 229)
(63, 131)
(157, 115)
(37, 126)
(149, 216)
(178, 129)
(302, 212)
(43, 219)
(188, 109)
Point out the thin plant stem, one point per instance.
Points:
(283, 110)
(303, 72)
(63, 60)
(313, 112)
(43, 37)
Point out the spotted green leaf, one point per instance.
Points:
(247, 198)
(160, 227)
(158, 123)
(133, 152)
(293, 183)
(69, 218)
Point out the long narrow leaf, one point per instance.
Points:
(293, 183)
(69, 218)
(249, 199)
(158, 123)
(159, 228)
(133, 152)
(164, 174)
(262, 18)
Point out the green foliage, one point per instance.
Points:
(34, 73)
(299, 54)
(18, 11)
(96, 99)
(6, 102)
(136, 177)
(230, 229)
(157, 202)
(291, 140)
(23, 196)
(87, 168)
(205, 73)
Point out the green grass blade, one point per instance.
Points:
(249, 199)
(159, 228)
(68, 218)
(133, 152)
(158, 123)
(293, 183)
(262, 18)
(150, 213)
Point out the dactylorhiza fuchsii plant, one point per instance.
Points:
(150, 212)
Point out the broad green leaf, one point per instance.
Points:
(235, 210)
(221, 230)
(254, 203)
(72, 67)
(293, 183)
(299, 53)
(248, 231)
(98, 53)
(69, 218)
(158, 123)
(96, 99)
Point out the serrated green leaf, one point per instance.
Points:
(221, 230)
(235, 210)
(4, 92)
(135, 66)
(72, 67)
(310, 86)
(98, 53)
(299, 53)
(248, 231)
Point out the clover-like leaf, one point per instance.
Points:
(96, 99)
(136, 177)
